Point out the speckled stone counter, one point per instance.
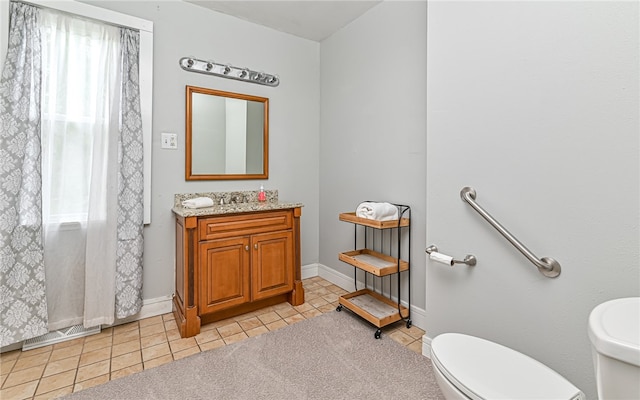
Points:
(232, 203)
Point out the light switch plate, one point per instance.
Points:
(169, 141)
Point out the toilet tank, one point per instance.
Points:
(614, 331)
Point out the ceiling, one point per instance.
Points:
(309, 19)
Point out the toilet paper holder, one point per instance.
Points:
(432, 250)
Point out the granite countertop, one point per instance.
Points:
(245, 202)
(233, 208)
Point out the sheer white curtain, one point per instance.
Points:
(80, 110)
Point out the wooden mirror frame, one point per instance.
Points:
(189, 176)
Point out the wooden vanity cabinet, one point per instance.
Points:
(227, 265)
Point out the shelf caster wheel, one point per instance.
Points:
(377, 334)
(339, 308)
(408, 323)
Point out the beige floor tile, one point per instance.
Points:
(152, 329)
(104, 333)
(150, 321)
(173, 334)
(7, 365)
(10, 355)
(93, 370)
(126, 347)
(168, 317)
(311, 313)
(61, 365)
(69, 343)
(287, 312)
(16, 378)
(55, 394)
(32, 361)
(24, 391)
(101, 343)
(269, 317)
(304, 307)
(37, 350)
(95, 356)
(294, 318)
(55, 382)
(156, 362)
(308, 296)
(99, 380)
(212, 345)
(156, 351)
(257, 331)
(238, 337)
(187, 352)
(207, 336)
(330, 298)
(282, 306)
(230, 329)
(126, 336)
(169, 325)
(414, 331)
(317, 302)
(264, 310)
(65, 352)
(182, 344)
(250, 323)
(327, 308)
(401, 337)
(276, 325)
(416, 346)
(126, 327)
(2, 379)
(153, 340)
(126, 360)
(121, 373)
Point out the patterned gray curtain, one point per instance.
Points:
(130, 182)
(23, 302)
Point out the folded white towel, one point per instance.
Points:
(377, 211)
(198, 202)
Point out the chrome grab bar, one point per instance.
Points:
(546, 265)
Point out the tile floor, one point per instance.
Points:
(59, 369)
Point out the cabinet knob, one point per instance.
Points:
(255, 246)
(246, 248)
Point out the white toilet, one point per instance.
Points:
(467, 367)
(614, 331)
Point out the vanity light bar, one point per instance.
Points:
(228, 71)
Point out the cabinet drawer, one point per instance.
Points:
(237, 225)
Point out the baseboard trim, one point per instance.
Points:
(309, 270)
(150, 308)
(418, 315)
(426, 346)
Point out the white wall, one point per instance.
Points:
(182, 29)
(535, 105)
(372, 128)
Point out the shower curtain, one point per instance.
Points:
(113, 251)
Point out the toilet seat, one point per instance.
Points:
(485, 370)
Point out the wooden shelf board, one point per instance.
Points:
(373, 307)
(351, 217)
(373, 262)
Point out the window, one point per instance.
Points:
(146, 65)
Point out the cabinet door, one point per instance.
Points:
(224, 274)
(272, 264)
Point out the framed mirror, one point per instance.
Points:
(227, 135)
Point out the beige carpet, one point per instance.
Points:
(332, 356)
